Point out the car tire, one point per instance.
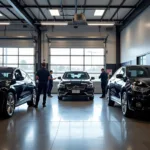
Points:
(60, 98)
(124, 105)
(91, 98)
(108, 96)
(9, 105)
(32, 102)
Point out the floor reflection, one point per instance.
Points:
(73, 125)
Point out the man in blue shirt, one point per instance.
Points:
(104, 80)
(50, 84)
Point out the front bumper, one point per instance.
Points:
(88, 92)
(139, 101)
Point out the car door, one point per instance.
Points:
(19, 85)
(120, 82)
(113, 82)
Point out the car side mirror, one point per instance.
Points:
(119, 76)
(92, 78)
(59, 78)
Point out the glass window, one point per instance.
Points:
(94, 60)
(93, 69)
(26, 60)
(94, 51)
(10, 59)
(77, 51)
(76, 68)
(23, 74)
(27, 68)
(59, 51)
(60, 68)
(77, 60)
(26, 51)
(10, 51)
(1, 59)
(9, 65)
(60, 60)
(1, 51)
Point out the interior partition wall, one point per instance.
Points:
(23, 58)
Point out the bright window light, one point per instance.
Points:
(54, 12)
(1, 15)
(101, 24)
(99, 12)
(4, 23)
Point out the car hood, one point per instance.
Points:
(75, 81)
(141, 81)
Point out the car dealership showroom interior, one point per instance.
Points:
(74, 75)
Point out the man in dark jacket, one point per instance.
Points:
(104, 80)
(42, 76)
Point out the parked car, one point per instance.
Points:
(76, 83)
(130, 87)
(16, 88)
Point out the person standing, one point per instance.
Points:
(104, 80)
(42, 76)
(50, 84)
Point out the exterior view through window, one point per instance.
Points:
(90, 60)
(18, 57)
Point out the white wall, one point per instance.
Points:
(135, 39)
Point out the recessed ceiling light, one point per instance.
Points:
(54, 12)
(21, 36)
(101, 23)
(48, 23)
(1, 15)
(99, 12)
(4, 23)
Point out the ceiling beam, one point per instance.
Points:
(140, 8)
(118, 9)
(72, 6)
(106, 9)
(18, 8)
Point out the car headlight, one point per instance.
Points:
(61, 86)
(90, 86)
(140, 89)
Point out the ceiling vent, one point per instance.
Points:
(79, 19)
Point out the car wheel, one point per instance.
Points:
(124, 105)
(60, 98)
(9, 105)
(108, 96)
(32, 102)
(91, 98)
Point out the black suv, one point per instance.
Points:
(130, 87)
(16, 88)
(76, 83)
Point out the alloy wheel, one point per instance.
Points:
(108, 94)
(124, 103)
(10, 105)
(34, 96)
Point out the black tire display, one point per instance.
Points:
(33, 99)
(60, 98)
(124, 105)
(110, 102)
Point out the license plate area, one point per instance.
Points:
(75, 91)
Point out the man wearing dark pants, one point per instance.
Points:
(104, 80)
(50, 84)
(42, 76)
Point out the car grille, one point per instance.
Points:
(76, 87)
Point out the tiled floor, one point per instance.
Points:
(73, 125)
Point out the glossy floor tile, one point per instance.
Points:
(73, 125)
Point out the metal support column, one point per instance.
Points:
(39, 49)
(118, 62)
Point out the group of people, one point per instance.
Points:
(45, 83)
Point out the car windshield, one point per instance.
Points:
(76, 75)
(6, 74)
(138, 72)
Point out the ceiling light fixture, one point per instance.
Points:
(99, 12)
(4, 23)
(101, 23)
(1, 15)
(54, 12)
(48, 23)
